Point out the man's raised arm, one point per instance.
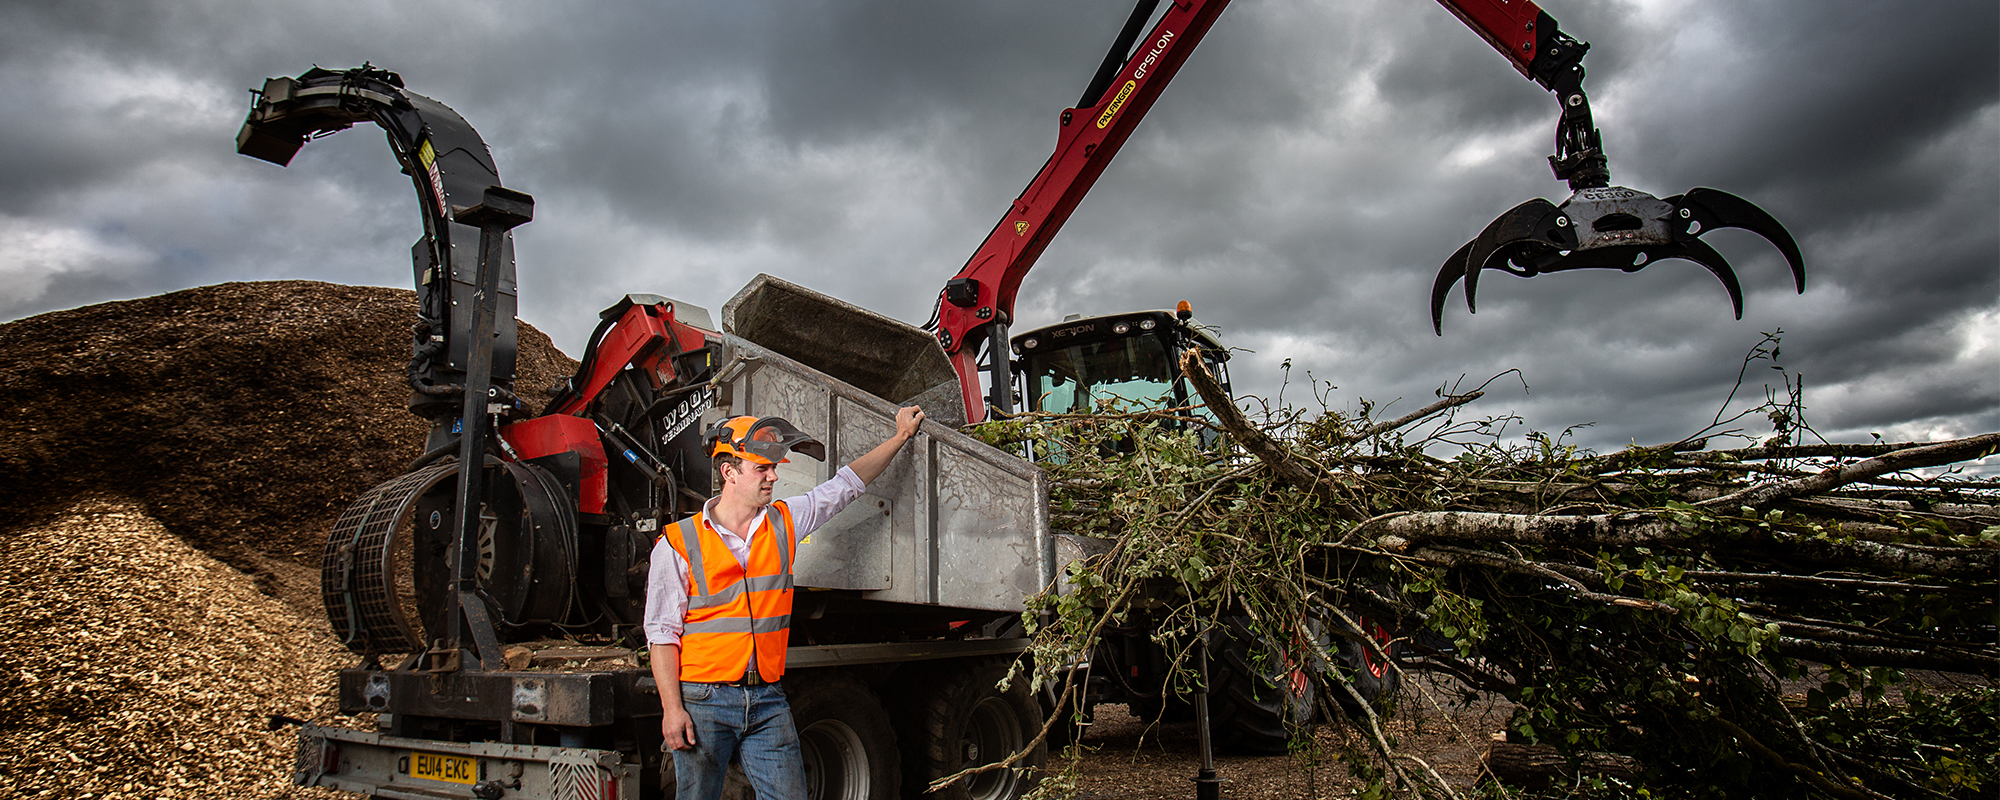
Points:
(870, 466)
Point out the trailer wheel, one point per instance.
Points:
(1258, 693)
(964, 720)
(846, 737)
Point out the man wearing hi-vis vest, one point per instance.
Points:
(719, 607)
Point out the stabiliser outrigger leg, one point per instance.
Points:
(1600, 226)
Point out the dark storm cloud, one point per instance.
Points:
(1301, 181)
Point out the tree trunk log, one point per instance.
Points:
(1641, 529)
(1763, 495)
(1541, 765)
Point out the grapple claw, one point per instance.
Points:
(1702, 210)
(1536, 225)
(1610, 227)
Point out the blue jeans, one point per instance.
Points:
(753, 723)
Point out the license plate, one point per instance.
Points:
(441, 767)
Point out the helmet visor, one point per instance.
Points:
(771, 438)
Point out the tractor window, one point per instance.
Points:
(1133, 370)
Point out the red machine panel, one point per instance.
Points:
(558, 433)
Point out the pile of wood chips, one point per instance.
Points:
(173, 465)
(137, 666)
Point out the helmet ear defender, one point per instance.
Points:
(764, 440)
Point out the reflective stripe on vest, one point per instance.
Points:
(739, 625)
(736, 610)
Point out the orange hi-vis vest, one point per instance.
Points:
(736, 611)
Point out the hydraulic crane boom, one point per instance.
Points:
(1600, 226)
(978, 303)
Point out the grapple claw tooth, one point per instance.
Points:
(1526, 227)
(1713, 208)
(1453, 269)
(1626, 259)
(1699, 252)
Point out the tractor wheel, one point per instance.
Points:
(962, 719)
(845, 735)
(1258, 694)
(1360, 665)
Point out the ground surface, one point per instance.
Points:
(172, 465)
(138, 666)
(1129, 759)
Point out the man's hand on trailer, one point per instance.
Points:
(870, 466)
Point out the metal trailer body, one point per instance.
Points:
(952, 521)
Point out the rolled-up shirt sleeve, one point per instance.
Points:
(814, 508)
(666, 595)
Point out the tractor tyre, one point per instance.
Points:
(1258, 694)
(1361, 666)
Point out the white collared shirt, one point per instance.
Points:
(667, 578)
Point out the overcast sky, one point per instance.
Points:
(1301, 181)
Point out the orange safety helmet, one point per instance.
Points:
(764, 440)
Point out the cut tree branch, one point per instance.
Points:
(1777, 759)
(1253, 439)
(1707, 576)
(1765, 494)
(1803, 451)
(1450, 401)
(1873, 656)
(1457, 557)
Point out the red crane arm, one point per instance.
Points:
(978, 303)
(983, 291)
(1508, 25)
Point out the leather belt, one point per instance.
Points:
(750, 678)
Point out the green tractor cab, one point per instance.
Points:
(1113, 362)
